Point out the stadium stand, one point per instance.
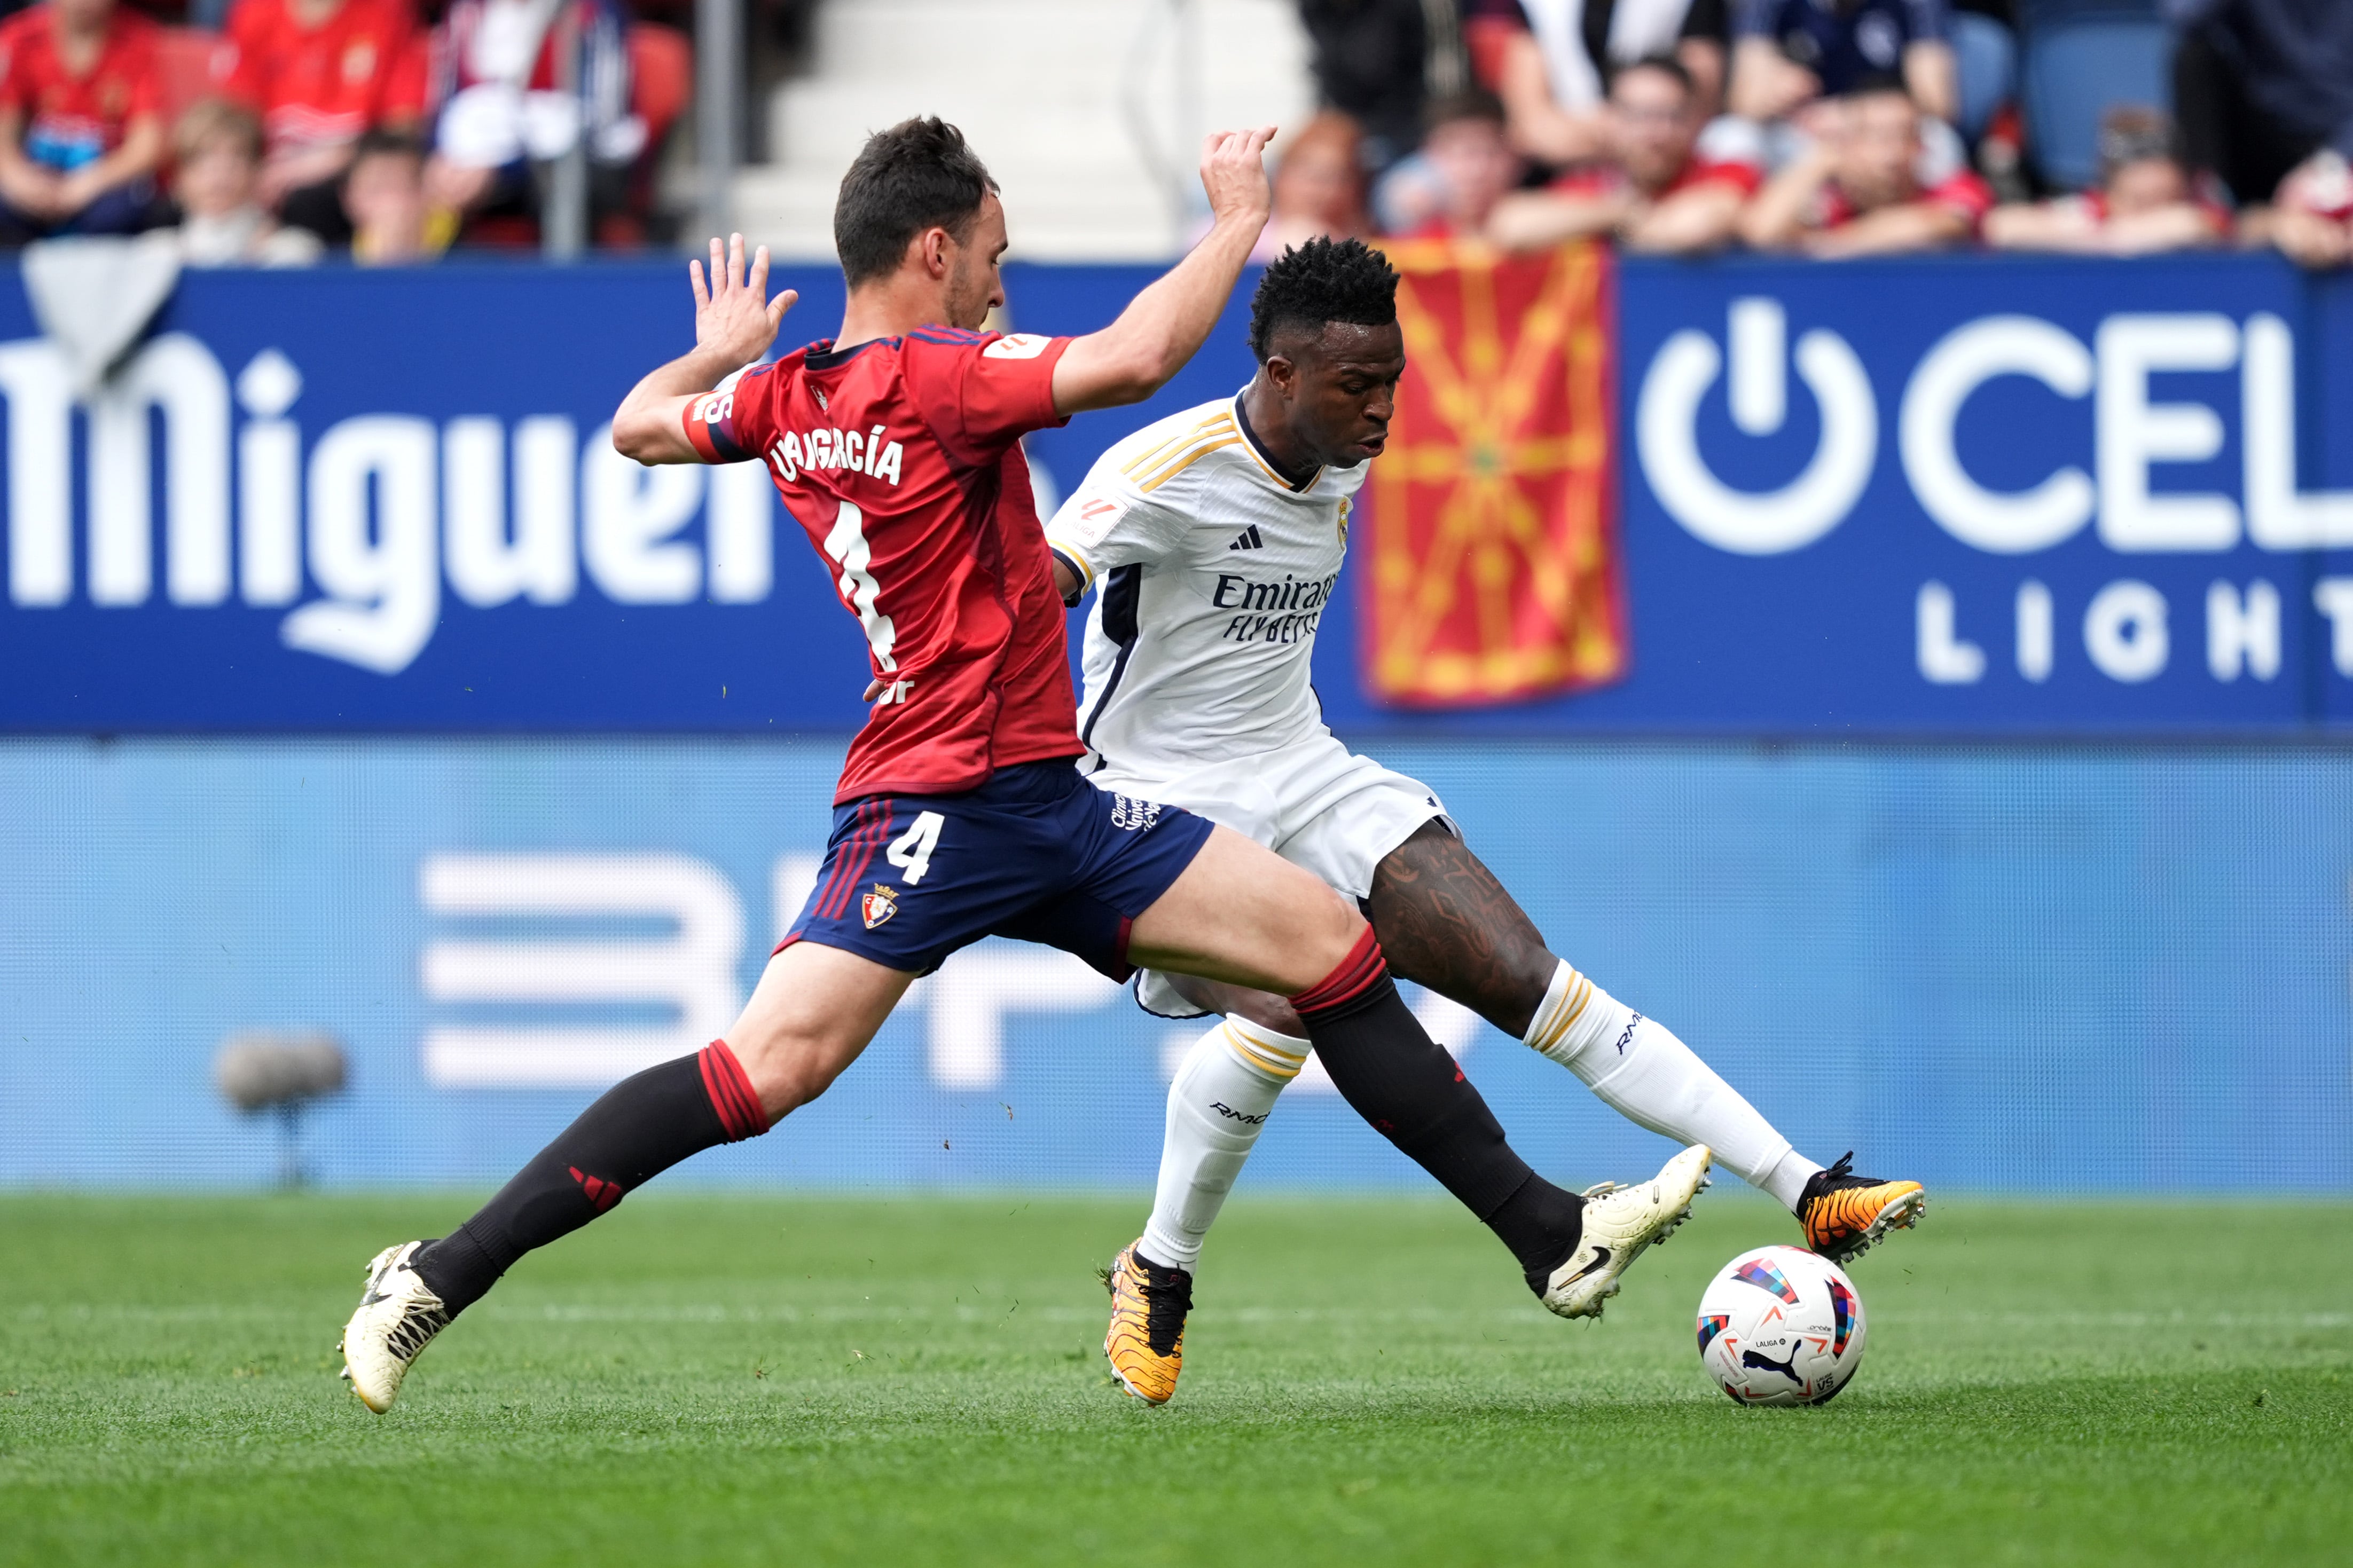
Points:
(1075, 104)
(2082, 58)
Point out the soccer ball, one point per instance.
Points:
(1781, 1326)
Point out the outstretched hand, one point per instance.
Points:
(1233, 173)
(734, 317)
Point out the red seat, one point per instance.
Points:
(661, 77)
(190, 65)
(1485, 39)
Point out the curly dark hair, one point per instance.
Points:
(1322, 281)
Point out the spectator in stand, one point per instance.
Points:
(80, 129)
(1788, 53)
(2143, 203)
(2265, 90)
(1655, 193)
(392, 222)
(503, 108)
(2311, 219)
(1857, 191)
(1548, 61)
(321, 74)
(1319, 188)
(1382, 62)
(218, 149)
(1471, 160)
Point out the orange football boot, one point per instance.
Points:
(1145, 1341)
(1844, 1214)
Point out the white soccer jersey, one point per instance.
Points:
(1210, 574)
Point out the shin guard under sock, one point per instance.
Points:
(636, 1129)
(1395, 1077)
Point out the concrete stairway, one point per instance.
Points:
(1050, 93)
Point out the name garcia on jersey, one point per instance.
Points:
(821, 450)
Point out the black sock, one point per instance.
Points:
(1542, 1225)
(1398, 1079)
(636, 1129)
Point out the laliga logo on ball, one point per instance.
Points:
(1665, 433)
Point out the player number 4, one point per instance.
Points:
(912, 850)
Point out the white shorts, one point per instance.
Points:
(1317, 805)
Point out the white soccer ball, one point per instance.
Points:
(1781, 1326)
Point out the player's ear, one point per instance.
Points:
(1283, 375)
(934, 252)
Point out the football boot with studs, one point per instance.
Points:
(398, 1316)
(1845, 1215)
(1145, 1341)
(1620, 1224)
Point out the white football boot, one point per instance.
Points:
(1620, 1224)
(398, 1316)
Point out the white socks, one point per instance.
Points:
(1636, 1066)
(1231, 1078)
(1217, 1108)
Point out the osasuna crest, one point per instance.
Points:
(879, 905)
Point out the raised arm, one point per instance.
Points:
(1162, 328)
(1775, 220)
(1766, 83)
(1934, 78)
(734, 322)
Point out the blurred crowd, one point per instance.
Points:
(273, 133)
(1828, 127)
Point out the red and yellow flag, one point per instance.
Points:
(1493, 542)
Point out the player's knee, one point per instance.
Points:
(786, 1070)
(1268, 1012)
(1328, 931)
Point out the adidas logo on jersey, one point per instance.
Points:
(1247, 539)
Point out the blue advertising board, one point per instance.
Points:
(340, 499)
(2105, 968)
(1972, 495)
(1966, 496)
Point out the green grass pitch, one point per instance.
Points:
(815, 1381)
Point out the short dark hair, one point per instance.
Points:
(380, 142)
(2136, 133)
(1666, 65)
(1320, 281)
(1477, 103)
(1876, 84)
(921, 174)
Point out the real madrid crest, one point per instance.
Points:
(879, 905)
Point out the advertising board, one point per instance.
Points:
(1971, 496)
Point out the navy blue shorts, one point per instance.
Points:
(1036, 853)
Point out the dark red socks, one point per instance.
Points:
(636, 1129)
(1387, 1067)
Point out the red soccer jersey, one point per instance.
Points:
(360, 68)
(72, 121)
(900, 459)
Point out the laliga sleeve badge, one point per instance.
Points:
(1017, 345)
(879, 905)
